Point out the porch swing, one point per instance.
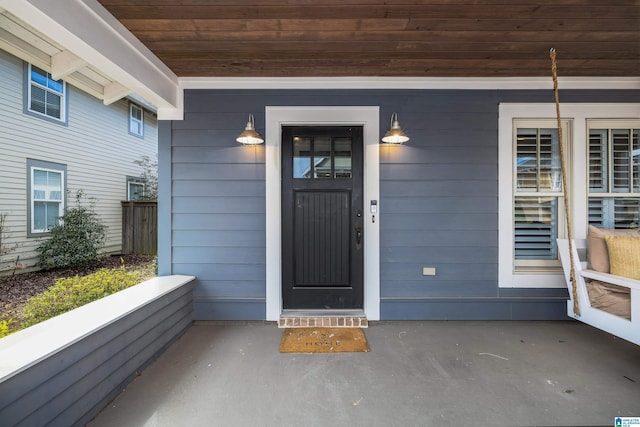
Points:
(601, 292)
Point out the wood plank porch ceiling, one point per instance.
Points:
(401, 38)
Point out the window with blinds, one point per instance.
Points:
(538, 194)
(46, 195)
(46, 96)
(136, 120)
(614, 181)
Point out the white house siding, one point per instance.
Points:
(95, 146)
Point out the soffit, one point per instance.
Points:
(393, 38)
(87, 47)
(27, 43)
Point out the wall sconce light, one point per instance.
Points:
(395, 134)
(249, 136)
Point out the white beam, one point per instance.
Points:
(18, 47)
(86, 29)
(472, 83)
(65, 63)
(114, 92)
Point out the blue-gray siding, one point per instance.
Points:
(438, 201)
(72, 386)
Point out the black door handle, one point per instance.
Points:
(358, 229)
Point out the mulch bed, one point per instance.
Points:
(17, 289)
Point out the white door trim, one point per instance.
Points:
(275, 118)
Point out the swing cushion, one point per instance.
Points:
(610, 298)
(597, 252)
(624, 256)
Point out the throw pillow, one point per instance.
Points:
(624, 256)
(610, 298)
(597, 253)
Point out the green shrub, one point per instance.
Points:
(5, 328)
(73, 292)
(76, 241)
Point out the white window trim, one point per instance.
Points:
(137, 181)
(133, 119)
(275, 118)
(63, 190)
(579, 114)
(63, 99)
(540, 265)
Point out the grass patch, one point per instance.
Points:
(5, 327)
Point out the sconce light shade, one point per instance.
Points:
(249, 136)
(395, 134)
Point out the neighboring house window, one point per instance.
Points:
(136, 120)
(614, 178)
(47, 189)
(46, 97)
(135, 189)
(538, 195)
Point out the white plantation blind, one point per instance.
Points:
(536, 227)
(614, 166)
(537, 193)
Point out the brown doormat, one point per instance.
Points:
(323, 340)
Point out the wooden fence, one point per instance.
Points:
(140, 227)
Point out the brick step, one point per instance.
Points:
(323, 321)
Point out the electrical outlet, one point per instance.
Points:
(428, 271)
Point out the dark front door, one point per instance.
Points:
(322, 218)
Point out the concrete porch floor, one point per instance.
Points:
(417, 374)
